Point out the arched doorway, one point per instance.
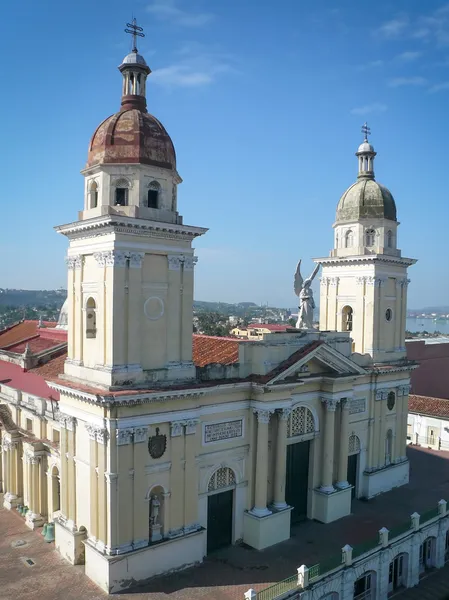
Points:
(301, 424)
(220, 508)
(365, 586)
(353, 462)
(397, 574)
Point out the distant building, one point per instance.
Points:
(432, 377)
(258, 330)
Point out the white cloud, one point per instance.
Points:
(166, 10)
(439, 87)
(394, 27)
(375, 107)
(402, 81)
(197, 66)
(408, 56)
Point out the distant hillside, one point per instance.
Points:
(10, 297)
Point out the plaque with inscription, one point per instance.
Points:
(357, 405)
(219, 432)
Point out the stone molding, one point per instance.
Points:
(176, 260)
(66, 421)
(100, 434)
(284, 413)
(263, 415)
(177, 427)
(381, 395)
(330, 403)
(331, 281)
(404, 390)
(74, 262)
(131, 435)
(190, 425)
(110, 477)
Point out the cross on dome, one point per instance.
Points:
(135, 31)
(366, 131)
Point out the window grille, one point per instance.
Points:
(301, 421)
(354, 445)
(222, 478)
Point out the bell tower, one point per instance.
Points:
(130, 257)
(364, 281)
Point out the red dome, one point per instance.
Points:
(132, 136)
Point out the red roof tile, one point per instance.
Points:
(425, 405)
(210, 349)
(20, 332)
(52, 368)
(36, 345)
(27, 381)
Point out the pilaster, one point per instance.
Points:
(178, 475)
(342, 477)
(281, 459)
(191, 475)
(328, 445)
(260, 497)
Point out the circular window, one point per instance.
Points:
(388, 314)
(391, 399)
(153, 308)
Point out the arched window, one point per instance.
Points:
(365, 586)
(346, 315)
(55, 489)
(121, 192)
(301, 421)
(390, 239)
(93, 195)
(349, 239)
(370, 237)
(397, 573)
(427, 555)
(388, 447)
(353, 445)
(153, 197)
(91, 318)
(223, 477)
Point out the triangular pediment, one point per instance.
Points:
(323, 360)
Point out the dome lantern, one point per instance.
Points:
(366, 154)
(135, 72)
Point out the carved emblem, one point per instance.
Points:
(157, 444)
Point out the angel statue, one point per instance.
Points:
(306, 303)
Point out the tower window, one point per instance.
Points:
(93, 195)
(121, 196)
(370, 236)
(390, 239)
(153, 197)
(349, 238)
(347, 314)
(91, 318)
(388, 314)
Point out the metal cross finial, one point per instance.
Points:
(135, 31)
(366, 131)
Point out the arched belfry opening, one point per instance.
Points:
(91, 318)
(153, 195)
(347, 318)
(93, 194)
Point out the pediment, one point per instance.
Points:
(323, 360)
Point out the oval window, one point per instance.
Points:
(388, 314)
(391, 399)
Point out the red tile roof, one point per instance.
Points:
(290, 361)
(30, 382)
(269, 326)
(25, 330)
(52, 368)
(209, 349)
(425, 405)
(36, 345)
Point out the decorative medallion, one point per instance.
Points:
(391, 400)
(157, 444)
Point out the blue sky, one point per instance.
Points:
(264, 103)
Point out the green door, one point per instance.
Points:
(353, 461)
(297, 479)
(219, 520)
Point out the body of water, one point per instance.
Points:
(427, 325)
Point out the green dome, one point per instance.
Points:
(366, 199)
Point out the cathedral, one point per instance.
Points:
(146, 447)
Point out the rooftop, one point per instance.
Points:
(229, 573)
(425, 405)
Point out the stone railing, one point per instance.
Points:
(307, 578)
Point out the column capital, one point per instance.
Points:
(330, 403)
(74, 262)
(345, 403)
(176, 428)
(263, 415)
(66, 421)
(100, 434)
(284, 413)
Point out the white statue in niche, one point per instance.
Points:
(304, 292)
(155, 526)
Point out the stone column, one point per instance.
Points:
(342, 480)
(328, 446)
(177, 474)
(260, 497)
(64, 474)
(191, 477)
(93, 527)
(5, 467)
(281, 459)
(398, 430)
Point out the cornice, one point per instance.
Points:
(368, 258)
(118, 224)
